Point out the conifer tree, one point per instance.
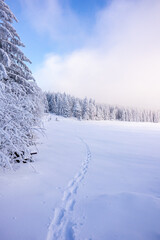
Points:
(77, 111)
(21, 101)
(92, 109)
(85, 109)
(66, 107)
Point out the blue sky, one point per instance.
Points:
(105, 49)
(34, 44)
(38, 44)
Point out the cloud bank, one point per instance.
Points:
(119, 62)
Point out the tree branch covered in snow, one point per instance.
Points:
(21, 100)
(69, 106)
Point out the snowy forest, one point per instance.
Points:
(69, 106)
(76, 168)
(21, 100)
(22, 103)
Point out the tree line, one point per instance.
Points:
(68, 106)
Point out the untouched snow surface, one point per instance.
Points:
(90, 181)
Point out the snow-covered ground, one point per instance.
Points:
(91, 180)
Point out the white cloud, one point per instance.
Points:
(120, 62)
(54, 18)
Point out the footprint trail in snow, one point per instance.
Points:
(61, 227)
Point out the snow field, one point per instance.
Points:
(61, 226)
(91, 180)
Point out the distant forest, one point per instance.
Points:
(68, 106)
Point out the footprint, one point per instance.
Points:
(70, 205)
(66, 195)
(74, 189)
(80, 178)
(69, 233)
(77, 175)
(58, 215)
(71, 183)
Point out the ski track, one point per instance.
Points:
(61, 226)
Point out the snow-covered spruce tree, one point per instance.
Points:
(66, 107)
(92, 109)
(51, 103)
(21, 101)
(85, 109)
(77, 111)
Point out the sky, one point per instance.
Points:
(108, 50)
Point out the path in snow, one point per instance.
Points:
(62, 227)
(119, 200)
